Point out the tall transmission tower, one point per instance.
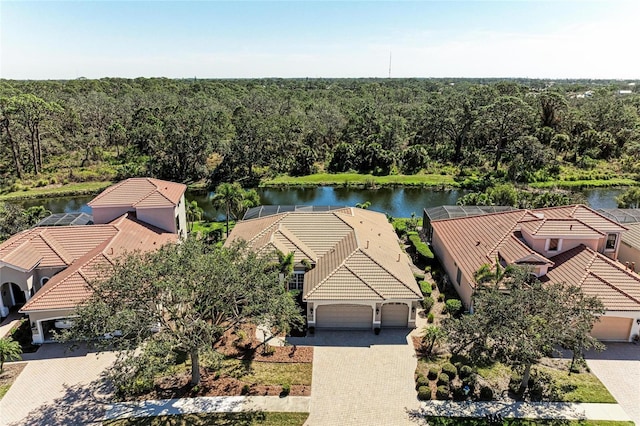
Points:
(389, 64)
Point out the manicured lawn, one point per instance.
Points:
(462, 421)
(583, 387)
(205, 227)
(270, 373)
(365, 180)
(57, 190)
(214, 419)
(585, 183)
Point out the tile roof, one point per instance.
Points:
(141, 193)
(597, 275)
(478, 240)
(632, 236)
(356, 252)
(73, 285)
(53, 246)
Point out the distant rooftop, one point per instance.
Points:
(451, 212)
(262, 211)
(621, 215)
(64, 219)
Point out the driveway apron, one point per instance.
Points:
(618, 368)
(57, 387)
(360, 378)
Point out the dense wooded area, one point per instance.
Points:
(246, 130)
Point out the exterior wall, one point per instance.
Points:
(540, 244)
(181, 212)
(36, 319)
(102, 215)
(612, 254)
(634, 315)
(464, 289)
(627, 253)
(163, 218)
(24, 280)
(376, 307)
(41, 273)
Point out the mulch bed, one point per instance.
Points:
(242, 346)
(234, 346)
(11, 373)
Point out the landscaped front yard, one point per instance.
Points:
(462, 421)
(217, 419)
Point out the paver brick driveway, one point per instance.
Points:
(618, 368)
(362, 379)
(57, 388)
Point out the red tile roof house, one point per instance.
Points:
(360, 277)
(49, 268)
(570, 244)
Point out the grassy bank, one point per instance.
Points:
(465, 421)
(59, 190)
(368, 181)
(585, 183)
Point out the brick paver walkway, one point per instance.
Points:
(360, 378)
(57, 388)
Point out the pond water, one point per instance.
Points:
(397, 202)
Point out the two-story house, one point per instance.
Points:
(46, 271)
(570, 244)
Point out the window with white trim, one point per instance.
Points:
(553, 244)
(611, 242)
(296, 281)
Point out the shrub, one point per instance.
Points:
(433, 373)
(286, 389)
(440, 297)
(457, 392)
(442, 392)
(245, 390)
(425, 287)
(434, 285)
(453, 306)
(421, 247)
(424, 393)
(430, 318)
(465, 371)
(421, 381)
(486, 394)
(53, 180)
(450, 370)
(427, 303)
(418, 277)
(443, 379)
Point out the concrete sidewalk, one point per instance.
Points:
(9, 322)
(526, 410)
(212, 404)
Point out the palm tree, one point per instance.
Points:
(10, 350)
(194, 213)
(228, 196)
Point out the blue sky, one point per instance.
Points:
(240, 39)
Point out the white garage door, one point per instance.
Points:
(395, 315)
(612, 328)
(344, 316)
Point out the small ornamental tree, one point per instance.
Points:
(181, 298)
(525, 321)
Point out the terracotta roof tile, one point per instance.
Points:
(356, 252)
(72, 285)
(142, 192)
(632, 236)
(558, 227)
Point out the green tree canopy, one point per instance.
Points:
(181, 298)
(523, 321)
(9, 351)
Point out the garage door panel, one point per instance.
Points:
(344, 316)
(612, 328)
(395, 315)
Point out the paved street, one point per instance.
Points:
(57, 388)
(360, 378)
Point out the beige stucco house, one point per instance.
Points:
(571, 244)
(348, 265)
(46, 270)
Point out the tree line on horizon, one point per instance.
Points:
(245, 130)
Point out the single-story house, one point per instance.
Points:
(571, 244)
(46, 270)
(349, 265)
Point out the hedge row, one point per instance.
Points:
(421, 247)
